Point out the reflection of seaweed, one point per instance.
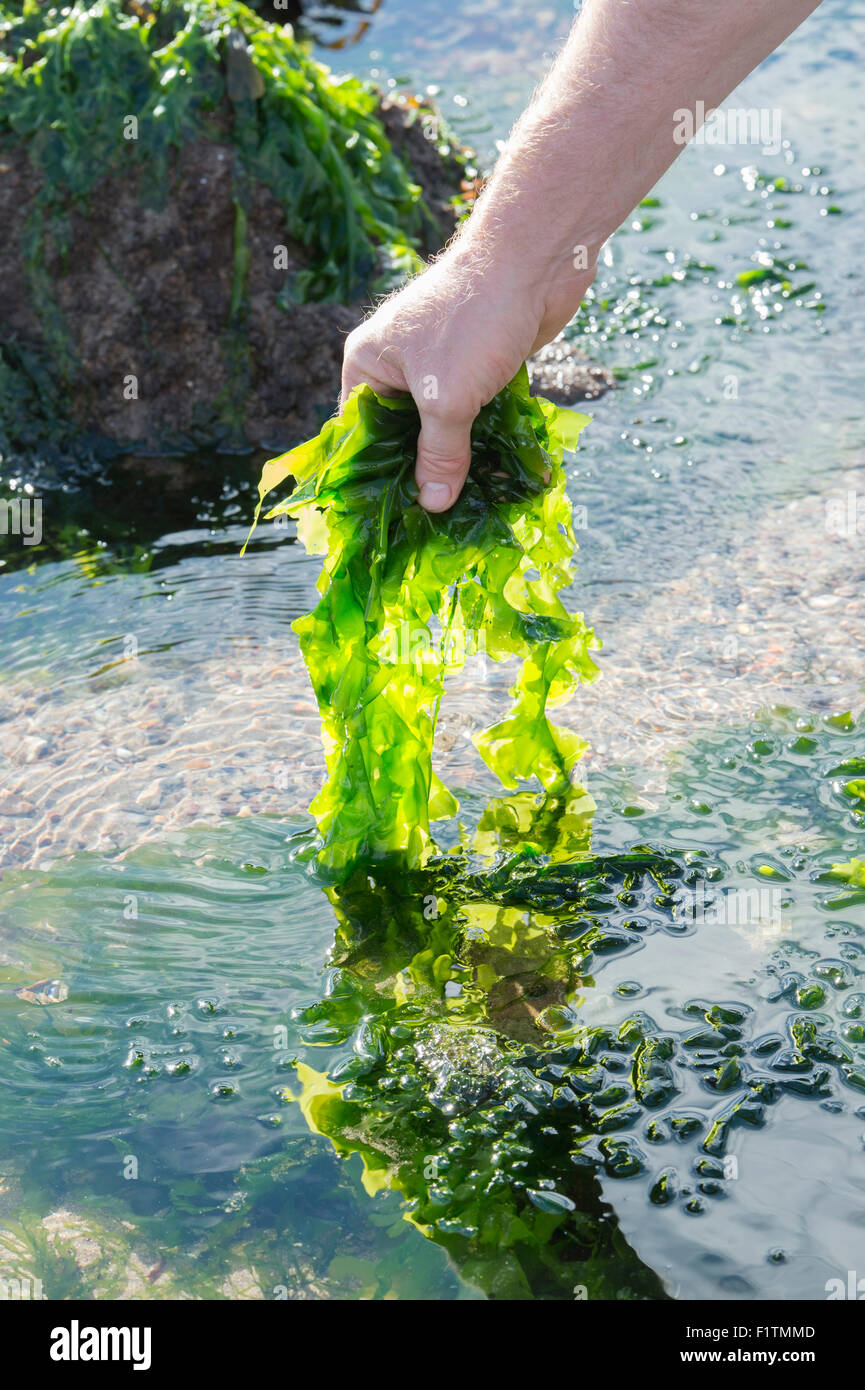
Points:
(467, 1082)
(441, 977)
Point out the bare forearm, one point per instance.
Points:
(598, 135)
(600, 130)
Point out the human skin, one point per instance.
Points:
(597, 136)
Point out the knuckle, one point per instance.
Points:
(438, 470)
(440, 463)
(449, 405)
(355, 344)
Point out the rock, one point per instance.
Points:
(145, 288)
(564, 374)
(242, 1284)
(65, 1228)
(31, 747)
(116, 262)
(19, 1274)
(108, 1264)
(44, 992)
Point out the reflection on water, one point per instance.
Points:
(334, 23)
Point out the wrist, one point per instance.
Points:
(541, 268)
(543, 291)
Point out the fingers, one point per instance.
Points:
(443, 453)
(364, 362)
(352, 376)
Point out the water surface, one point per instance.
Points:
(159, 747)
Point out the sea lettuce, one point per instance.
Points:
(405, 595)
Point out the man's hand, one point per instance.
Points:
(453, 337)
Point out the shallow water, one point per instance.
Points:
(154, 682)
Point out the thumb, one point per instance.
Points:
(443, 454)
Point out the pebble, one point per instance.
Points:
(30, 748)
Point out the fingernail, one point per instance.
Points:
(435, 497)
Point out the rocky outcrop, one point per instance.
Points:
(161, 324)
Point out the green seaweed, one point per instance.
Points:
(188, 69)
(459, 1083)
(405, 595)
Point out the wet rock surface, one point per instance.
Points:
(565, 375)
